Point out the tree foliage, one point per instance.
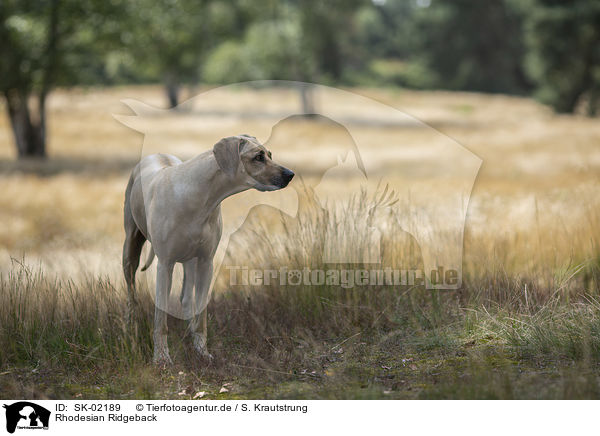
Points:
(476, 46)
(44, 44)
(546, 48)
(563, 39)
(166, 41)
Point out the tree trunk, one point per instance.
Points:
(29, 133)
(172, 89)
(568, 102)
(593, 102)
(307, 99)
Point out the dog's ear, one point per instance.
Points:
(249, 136)
(227, 153)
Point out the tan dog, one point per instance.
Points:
(175, 206)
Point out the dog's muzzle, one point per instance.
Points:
(286, 177)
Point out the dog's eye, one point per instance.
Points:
(259, 157)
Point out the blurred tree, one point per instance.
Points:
(304, 41)
(43, 44)
(564, 52)
(325, 40)
(382, 30)
(385, 44)
(472, 45)
(269, 50)
(167, 40)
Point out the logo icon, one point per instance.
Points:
(26, 415)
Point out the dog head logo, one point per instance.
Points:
(26, 415)
(427, 176)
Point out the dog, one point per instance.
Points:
(175, 206)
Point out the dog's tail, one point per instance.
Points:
(149, 259)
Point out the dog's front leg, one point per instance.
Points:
(163, 288)
(198, 324)
(187, 290)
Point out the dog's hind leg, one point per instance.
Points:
(164, 280)
(132, 249)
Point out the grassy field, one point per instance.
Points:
(524, 324)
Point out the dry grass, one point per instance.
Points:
(530, 253)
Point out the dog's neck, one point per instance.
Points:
(206, 172)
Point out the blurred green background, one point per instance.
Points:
(548, 49)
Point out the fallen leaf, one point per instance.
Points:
(223, 389)
(183, 392)
(199, 394)
(413, 367)
(386, 367)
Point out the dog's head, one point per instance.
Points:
(244, 157)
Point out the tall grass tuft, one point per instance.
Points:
(57, 322)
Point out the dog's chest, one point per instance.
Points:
(200, 236)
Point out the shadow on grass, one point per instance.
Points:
(68, 165)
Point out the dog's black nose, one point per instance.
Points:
(287, 176)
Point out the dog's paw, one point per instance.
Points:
(204, 355)
(200, 349)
